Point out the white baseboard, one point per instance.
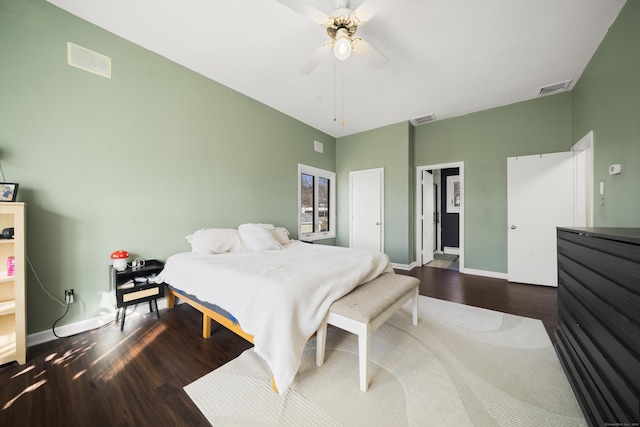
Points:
(405, 267)
(485, 273)
(86, 325)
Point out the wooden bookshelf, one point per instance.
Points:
(12, 286)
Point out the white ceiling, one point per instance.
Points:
(446, 57)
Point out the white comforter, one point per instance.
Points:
(280, 297)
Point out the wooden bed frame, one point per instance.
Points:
(207, 316)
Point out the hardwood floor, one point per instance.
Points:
(136, 377)
(538, 302)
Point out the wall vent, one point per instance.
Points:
(417, 121)
(88, 60)
(554, 88)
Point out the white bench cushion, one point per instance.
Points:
(368, 301)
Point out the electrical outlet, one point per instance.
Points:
(68, 296)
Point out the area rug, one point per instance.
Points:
(443, 263)
(461, 366)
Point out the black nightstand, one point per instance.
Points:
(133, 286)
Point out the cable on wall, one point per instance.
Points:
(53, 327)
(42, 286)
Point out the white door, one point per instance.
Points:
(539, 199)
(427, 217)
(366, 202)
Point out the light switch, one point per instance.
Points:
(602, 188)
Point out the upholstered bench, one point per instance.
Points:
(364, 310)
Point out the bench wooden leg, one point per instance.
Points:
(363, 353)
(321, 342)
(414, 301)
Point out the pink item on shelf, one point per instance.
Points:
(11, 266)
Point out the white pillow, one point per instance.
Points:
(257, 238)
(268, 226)
(215, 240)
(281, 234)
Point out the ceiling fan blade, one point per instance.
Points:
(315, 59)
(305, 9)
(370, 8)
(370, 54)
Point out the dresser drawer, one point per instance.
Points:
(621, 271)
(138, 294)
(622, 298)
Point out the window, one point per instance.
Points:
(316, 206)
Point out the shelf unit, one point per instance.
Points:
(13, 344)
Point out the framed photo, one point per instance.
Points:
(453, 194)
(8, 191)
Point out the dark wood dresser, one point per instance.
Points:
(598, 332)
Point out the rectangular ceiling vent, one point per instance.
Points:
(417, 121)
(554, 88)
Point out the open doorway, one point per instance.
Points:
(440, 216)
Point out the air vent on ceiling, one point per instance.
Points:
(417, 121)
(554, 88)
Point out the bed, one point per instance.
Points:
(272, 291)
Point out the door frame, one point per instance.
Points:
(418, 206)
(381, 228)
(583, 181)
(427, 189)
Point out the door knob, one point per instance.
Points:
(513, 227)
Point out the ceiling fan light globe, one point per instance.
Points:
(342, 48)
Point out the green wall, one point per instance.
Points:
(606, 100)
(134, 162)
(484, 141)
(140, 160)
(389, 147)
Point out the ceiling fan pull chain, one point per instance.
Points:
(342, 93)
(335, 96)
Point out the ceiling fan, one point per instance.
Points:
(341, 27)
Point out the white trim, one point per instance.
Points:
(332, 176)
(405, 267)
(88, 324)
(429, 237)
(583, 181)
(419, 170)
(485, 273)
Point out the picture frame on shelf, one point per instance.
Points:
(8, 191)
